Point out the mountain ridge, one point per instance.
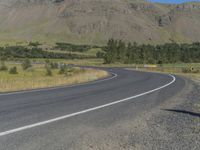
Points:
(95, 21)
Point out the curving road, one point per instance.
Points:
(57, 118)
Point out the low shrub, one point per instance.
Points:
(26, 64)
(190, 70)
(13, 70)
(54, 65)
(186, 70)
(63, 69)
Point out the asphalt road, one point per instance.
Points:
(58, 118)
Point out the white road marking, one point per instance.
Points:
(85, 111)
(59, 87)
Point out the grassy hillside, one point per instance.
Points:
(94, 21)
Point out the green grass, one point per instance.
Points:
(68, 52)
(13, 43)
(83, 62)
(93, 51)
(90, 52)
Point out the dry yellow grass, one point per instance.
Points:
(36, 78)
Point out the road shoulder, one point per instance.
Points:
(173, 125)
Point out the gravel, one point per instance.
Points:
(174, 124)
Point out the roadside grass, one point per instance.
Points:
(177, 70)
(99, 62)
(35, 77)
(167, 68)
(83, 62)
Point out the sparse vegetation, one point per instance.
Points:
(63, 69)
(54, 65)
(13, 70)
(48, 71)
(26, 64)
(24, 79)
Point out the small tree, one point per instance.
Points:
(13, 70)
(62, 69)
(100, 54)
(26, 64)
(47, 61)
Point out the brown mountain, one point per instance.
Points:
(95, 21)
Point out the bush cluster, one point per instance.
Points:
(190, 70)
(13, 70)
(12, 52)
(66, 70)
(26, 64)
(73, 47)
(54, 65)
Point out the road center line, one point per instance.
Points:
(85, 111)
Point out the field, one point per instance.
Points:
(36, 77)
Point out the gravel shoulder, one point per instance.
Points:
(175, 124)
(151, 122)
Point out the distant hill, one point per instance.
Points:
(95, 21)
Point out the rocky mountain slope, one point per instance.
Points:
(95, 21)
